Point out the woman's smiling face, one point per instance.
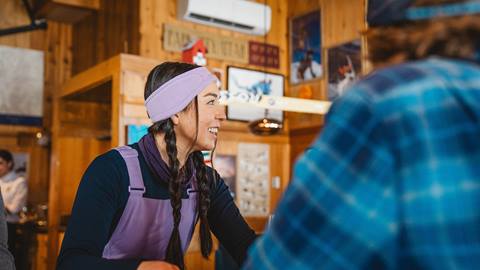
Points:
(210, 116)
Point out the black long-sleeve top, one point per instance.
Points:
(101, 198)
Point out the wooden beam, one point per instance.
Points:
(138, 64)
(89, 4)
(91, 78)
(66, 11)
(14, 130)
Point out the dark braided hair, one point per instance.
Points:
(174, 254)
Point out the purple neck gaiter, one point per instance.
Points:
(157, 165)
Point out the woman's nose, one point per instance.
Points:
(221, 113)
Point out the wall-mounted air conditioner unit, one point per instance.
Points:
(237, 15)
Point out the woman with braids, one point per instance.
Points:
(137, 205)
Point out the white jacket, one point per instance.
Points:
(14, 191)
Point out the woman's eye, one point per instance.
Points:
(211, 102)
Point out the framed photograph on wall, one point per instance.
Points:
(21, 163)
(253, 174)
(305, 48)
(22, 80)
(226, 166)
(344, 67)
(254, 82)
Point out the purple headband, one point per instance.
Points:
(174, 95)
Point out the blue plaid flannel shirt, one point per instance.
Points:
(393, 180)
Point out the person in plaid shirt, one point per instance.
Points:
(393, 180)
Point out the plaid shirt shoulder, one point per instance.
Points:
(392, 182)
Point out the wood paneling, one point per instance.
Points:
(56, 43)
(341, 21)
(12, 130)
(59, 57)
(83, 151)
(41, 257)
(112, 30)
(317, 87)
(155, 13)
(86, 4)
(13, 14)
(66, 11)
(302, 139)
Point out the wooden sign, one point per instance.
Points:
(265, 55)
(219, 47)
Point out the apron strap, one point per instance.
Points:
(130, 156)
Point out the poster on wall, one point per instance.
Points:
(226, 166)
(253, 82)
(305, 46)
(21, 78)
(253, 190)
(344, 68)
(135, 133)
(20, 161)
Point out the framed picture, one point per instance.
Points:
(21, 160)
(255, 82)
(253, 188)
(226, 166)
(344, 68)
(21, 77)
(305, 48)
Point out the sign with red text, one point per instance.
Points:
(262, 54)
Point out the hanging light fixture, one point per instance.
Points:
(265, 126)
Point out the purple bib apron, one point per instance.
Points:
(146, 224)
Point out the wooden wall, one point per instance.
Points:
(55, 42)
(155, 13)
(341, 21)
(112, 30)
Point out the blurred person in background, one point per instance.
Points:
(393, 180)
(14, 192)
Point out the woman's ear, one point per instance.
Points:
(175, 119)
